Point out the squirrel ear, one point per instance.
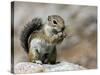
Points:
(49, 18)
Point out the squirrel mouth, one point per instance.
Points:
(55, 31)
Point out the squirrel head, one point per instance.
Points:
(55, 26)
(56, 22)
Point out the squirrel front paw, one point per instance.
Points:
(62, 34)
(56, 36)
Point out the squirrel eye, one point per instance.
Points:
(54, 22)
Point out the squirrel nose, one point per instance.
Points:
(62, 29)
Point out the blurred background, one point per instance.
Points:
(79, 47)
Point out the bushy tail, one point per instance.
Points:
(34, 25)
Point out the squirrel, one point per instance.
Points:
(39, 40)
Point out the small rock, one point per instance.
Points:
(28, 67)
(63, 66)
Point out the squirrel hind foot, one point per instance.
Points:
(37, 61)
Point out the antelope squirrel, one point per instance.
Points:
(39, 40)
